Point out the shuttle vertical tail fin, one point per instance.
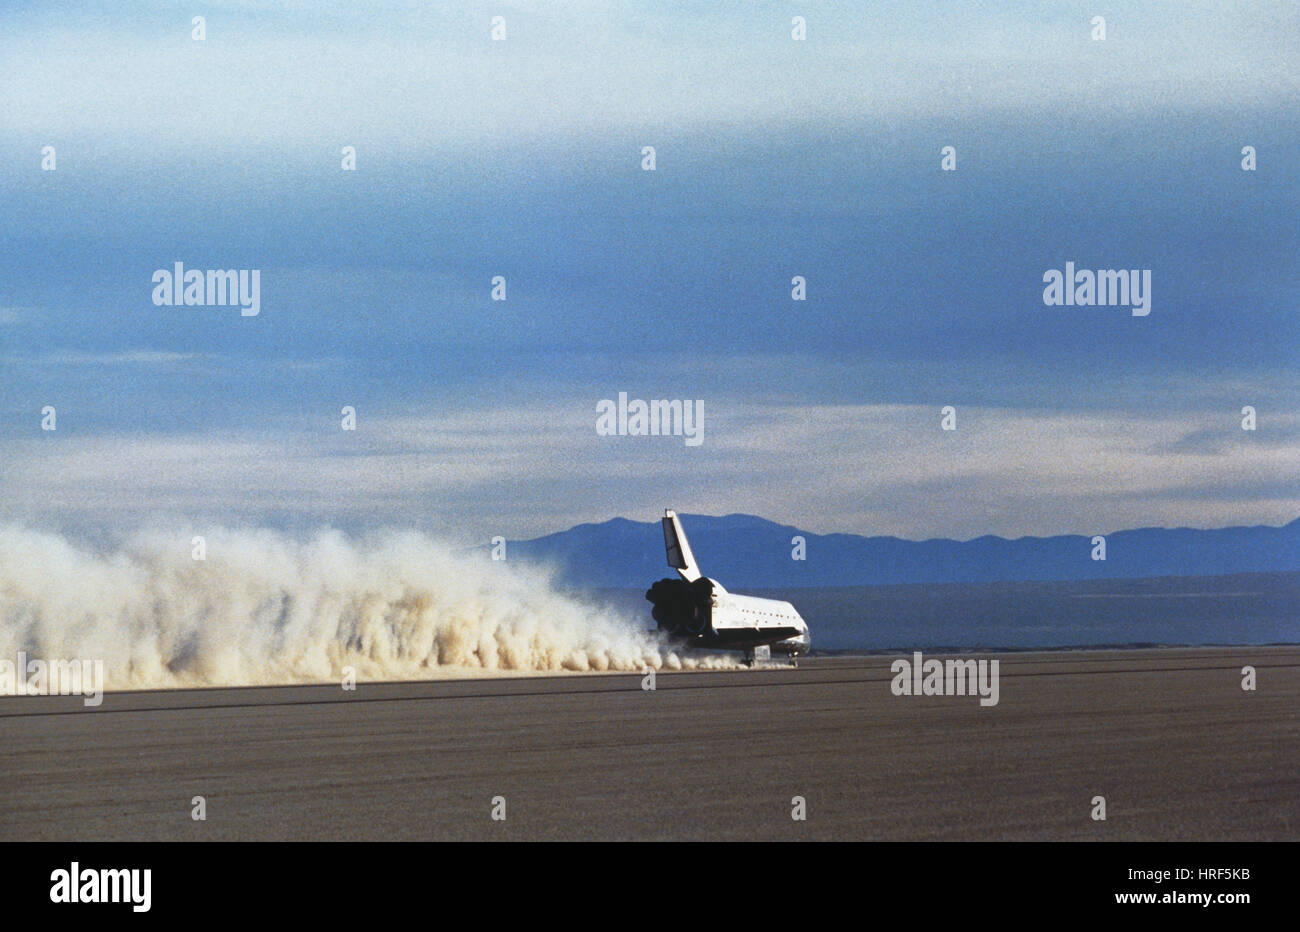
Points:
(679, 549)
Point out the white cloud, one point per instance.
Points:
(527, 470)
(126, 357)
(422, 79)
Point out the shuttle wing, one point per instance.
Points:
(680, 557)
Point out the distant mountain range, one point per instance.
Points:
(744, 551)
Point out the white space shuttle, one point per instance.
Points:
(699, 611)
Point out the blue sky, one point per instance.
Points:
(775, 158)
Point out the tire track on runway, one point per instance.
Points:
(742, 684)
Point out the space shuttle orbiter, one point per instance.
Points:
(699, 611)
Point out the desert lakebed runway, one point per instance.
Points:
(1169, 737)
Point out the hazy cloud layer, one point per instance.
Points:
(526, 471)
